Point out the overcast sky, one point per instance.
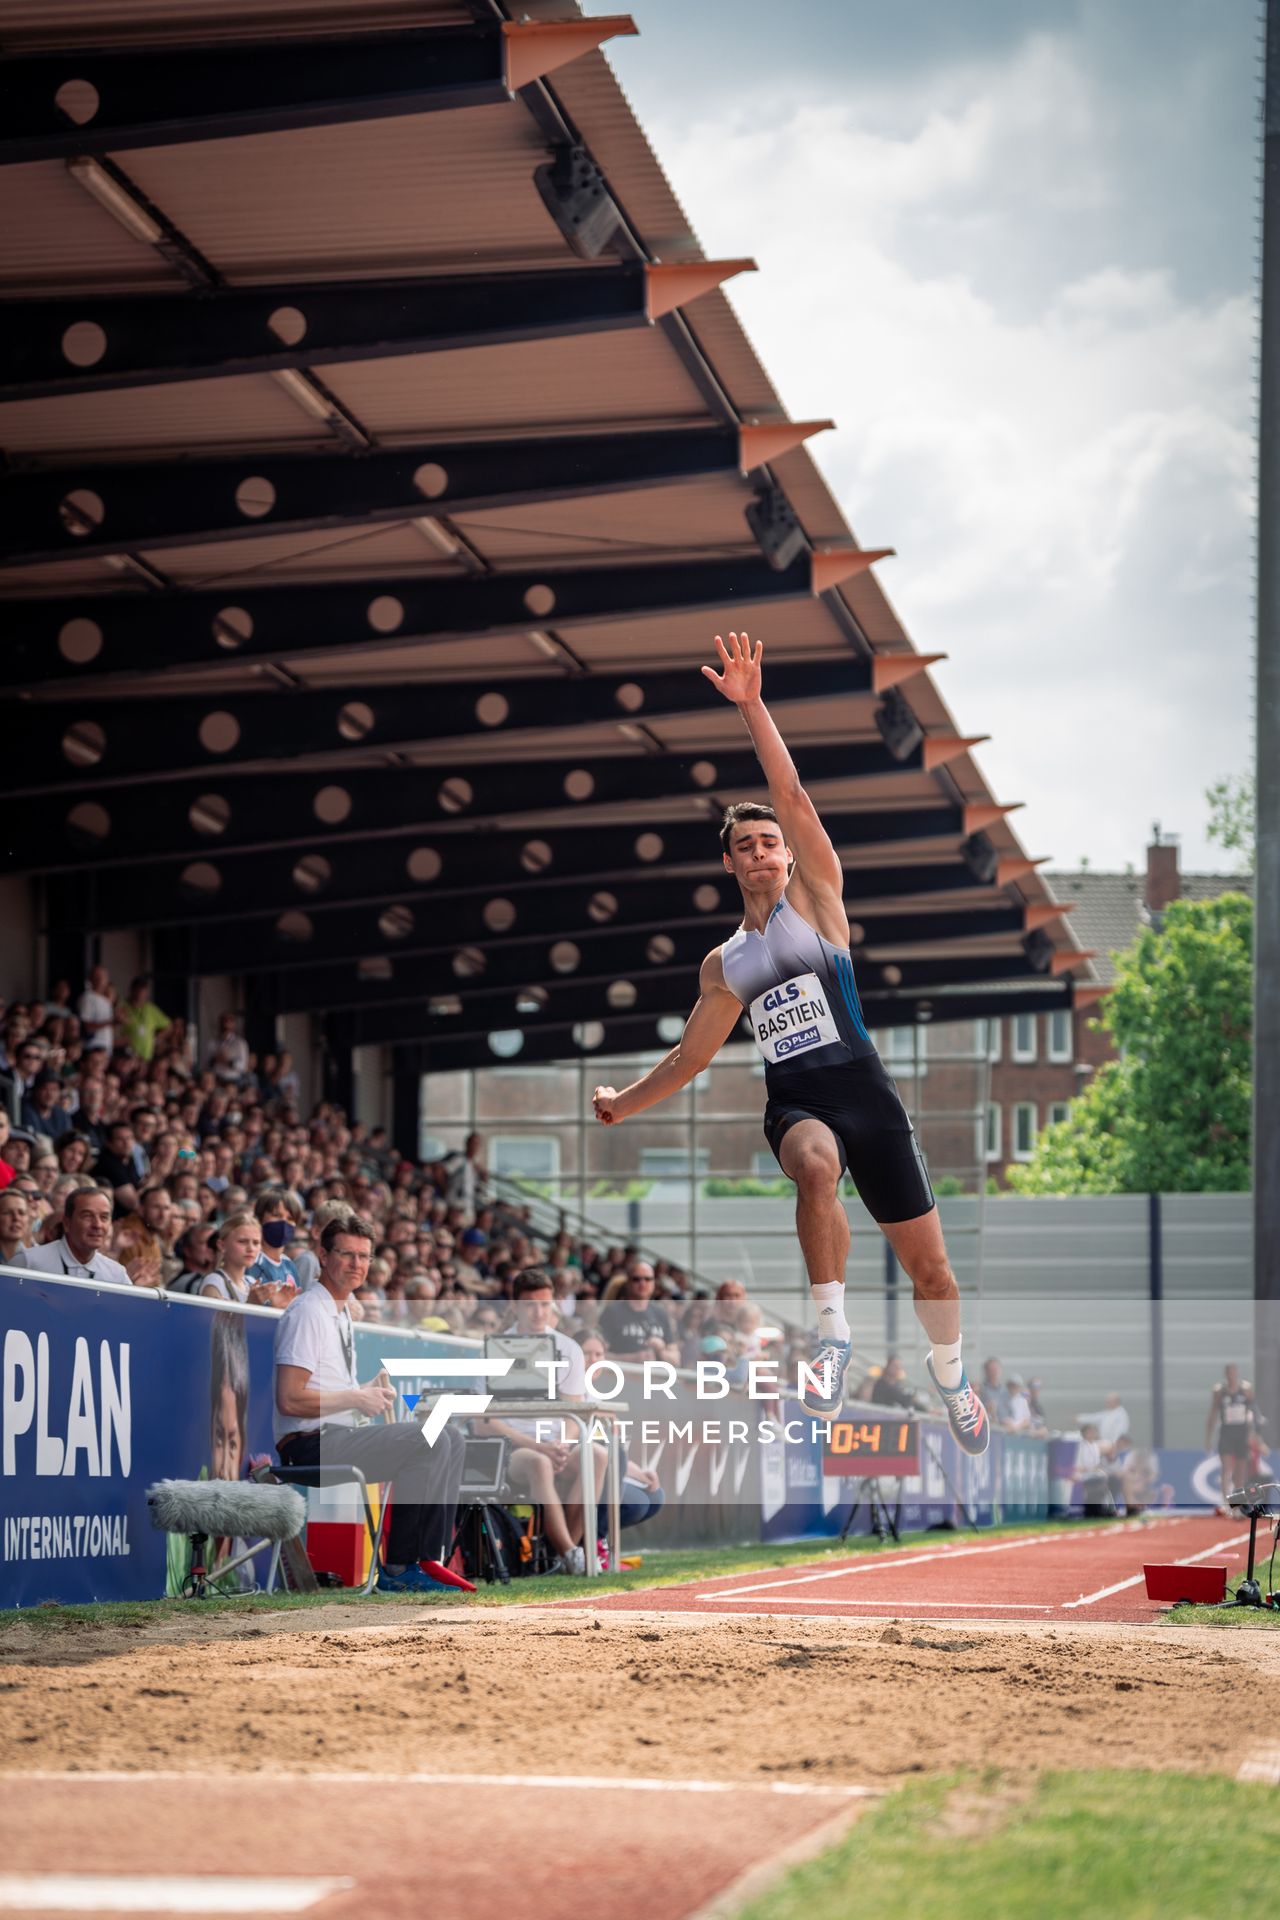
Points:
(1008, 245)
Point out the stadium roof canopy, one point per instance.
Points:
(382, 452)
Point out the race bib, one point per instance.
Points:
(1236, 1414)
(793, 1019)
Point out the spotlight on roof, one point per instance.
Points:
(981, 858)
(1039, 950)
(898, 726)
(771, 519)
(576, 195)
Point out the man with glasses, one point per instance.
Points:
(320, 1402)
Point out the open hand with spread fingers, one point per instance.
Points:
(740, 680)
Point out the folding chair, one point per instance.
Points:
(326, 1474)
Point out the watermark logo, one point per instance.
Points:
(448, 1404)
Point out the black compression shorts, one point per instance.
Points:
(859, 1103)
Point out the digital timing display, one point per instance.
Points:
(891, 1447)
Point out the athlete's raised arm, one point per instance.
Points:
(817, 863)
(713, 1019)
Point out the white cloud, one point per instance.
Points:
(1062, 457)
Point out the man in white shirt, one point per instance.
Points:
(86, 1230)
(319, 1399)
(97, 1013)
(1112, 1424)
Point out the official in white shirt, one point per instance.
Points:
(86, 1230)
(319, 1397)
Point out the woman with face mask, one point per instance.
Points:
(278, 1216)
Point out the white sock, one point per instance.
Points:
(946, 1364)
(829, 1300)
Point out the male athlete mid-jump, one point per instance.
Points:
(831, 1106)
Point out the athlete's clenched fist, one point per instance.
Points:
(603, 1101)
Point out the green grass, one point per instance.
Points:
(1254, 1619)
(664, 1568)
(1074, 1846)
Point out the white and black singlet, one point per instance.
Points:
(820, 1061)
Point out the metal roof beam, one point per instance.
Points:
(394, 867)
(213, 817)
(473, 968)
(347, 939)
(100, 637)
(108, 99)
(80, 744)
(116, 506)
(96, 341)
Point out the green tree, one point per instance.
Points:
(1172, 1113)
(1233, 808)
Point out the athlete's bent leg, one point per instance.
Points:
(921, 1252)
(810, 1155)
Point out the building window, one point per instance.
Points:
(992, 1132)
(525, 1156)
(1024, 1038)
(1060, 1035)
(1059, 1110)
(995, 1031)
(900, 1047)
(1024, 1128)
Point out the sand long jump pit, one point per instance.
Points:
(532, 1760)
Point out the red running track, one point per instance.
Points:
(1091, 1573)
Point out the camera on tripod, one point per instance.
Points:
(1261, 1502)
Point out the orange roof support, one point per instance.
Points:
(891, 669)
(1042, 913)
(1085, 994)
(829, 570)
(1068, 957)
(1017, 867)
(756, 445)
(677, 283)
(534, 48)
(943, 747)
(982, 813)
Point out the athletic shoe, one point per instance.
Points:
(829, 1364)
(444, 1576)
(574, 1561)
(968, 1416)
(409, 1580)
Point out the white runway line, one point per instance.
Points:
(162, 1893)
(594, 1783)
(992, 1606)
(1189, 1560)
(1263, 1765)
(877, 1564)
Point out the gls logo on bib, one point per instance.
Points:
(792, 1018)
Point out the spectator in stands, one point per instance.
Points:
(1112, 1424)
(890, 1387)
(44, 1170)
(1090, 1474)
(42, 1108)
(18, 1152)
(993, 1393)
(731, 1290)
(97, 1012)
(279, 1216)
(635, 1327)
(467, 1175)
(6, 1166)
(238, 1242)
(318, 1396)
(1018, 1418)
(1039, 1419)
(115, 1166)
(195, 1251)
(227, 1055)
(548, 1470)
(140, 1019)
(15, 1226)
(138, 1251)
(78, 1254)
(90, 1113)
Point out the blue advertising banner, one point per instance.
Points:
(104, 1391)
